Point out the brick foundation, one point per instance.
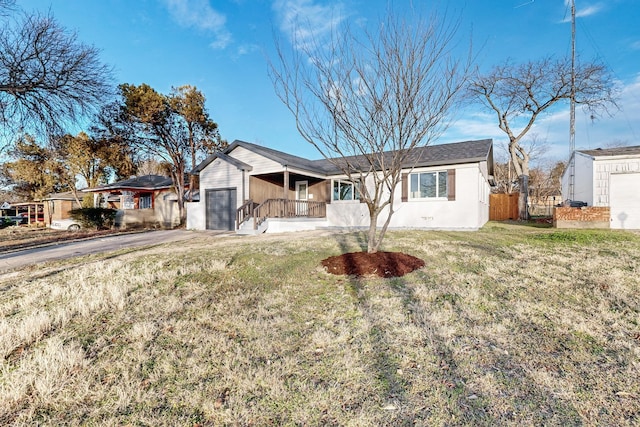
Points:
(586, 217)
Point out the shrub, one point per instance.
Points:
(87, 201)
(98, 218)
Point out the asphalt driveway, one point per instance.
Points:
(31, 256)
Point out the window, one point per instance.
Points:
(345, 190)
(428, 185)
(145, 201)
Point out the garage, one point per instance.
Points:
(624, 201)
(221, 209)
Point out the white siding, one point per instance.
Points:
(260, 164)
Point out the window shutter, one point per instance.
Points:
(451, 184)
(329, 191)
(405, 187)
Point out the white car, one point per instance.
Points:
(65, 224)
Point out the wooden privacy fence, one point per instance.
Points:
(503, 206)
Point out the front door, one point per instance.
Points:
(302, 195)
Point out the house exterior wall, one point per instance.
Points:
(218, 174)
(261, 165)
(583, 181)
(165, 213)
(602, 171)
(469, 210)
(261, 190)
(166, 209)
(58, 209)
(196, 216)
(624, 200)
(593, 177)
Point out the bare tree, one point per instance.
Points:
(545, 183)
(366, 100)
(504, 174)
(519, 93)
(48, 79)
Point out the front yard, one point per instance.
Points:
(506, 326)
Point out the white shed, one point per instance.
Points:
(607, 177)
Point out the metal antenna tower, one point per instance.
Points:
(572, 119)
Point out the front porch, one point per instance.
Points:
(290, 215)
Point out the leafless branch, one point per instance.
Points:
(48, 79)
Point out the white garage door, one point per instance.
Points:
(624, 199)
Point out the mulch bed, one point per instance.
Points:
(382, 264)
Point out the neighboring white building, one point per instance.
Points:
(254, 188)
(607, 177)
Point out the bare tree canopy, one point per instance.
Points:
(6, 6)
(519, 93)
(387, 90)
(48, 79)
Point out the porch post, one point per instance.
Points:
(286, 184)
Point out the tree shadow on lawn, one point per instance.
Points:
(401, 408)
(453, 395)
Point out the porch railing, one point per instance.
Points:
(245, 211)
(280, 208)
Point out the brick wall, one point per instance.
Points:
(586, 217)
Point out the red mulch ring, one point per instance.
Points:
(382, 264)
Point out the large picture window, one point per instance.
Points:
(428, 185)
(345, 190)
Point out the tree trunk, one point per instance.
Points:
(523, 202)
(372, 241)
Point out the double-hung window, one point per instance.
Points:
(345, 190)
(145, 201)
(428, 185)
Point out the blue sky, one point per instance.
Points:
(220, 46)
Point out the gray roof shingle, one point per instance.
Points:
(145, 182)
(431, 155)
(617, 151)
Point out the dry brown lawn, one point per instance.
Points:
(505, 326)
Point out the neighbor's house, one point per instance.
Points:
(57, 206)
(148, 200)
(609, 178)
(251, 188)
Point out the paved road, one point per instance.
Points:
(26, 257)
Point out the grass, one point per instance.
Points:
(506, 326)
